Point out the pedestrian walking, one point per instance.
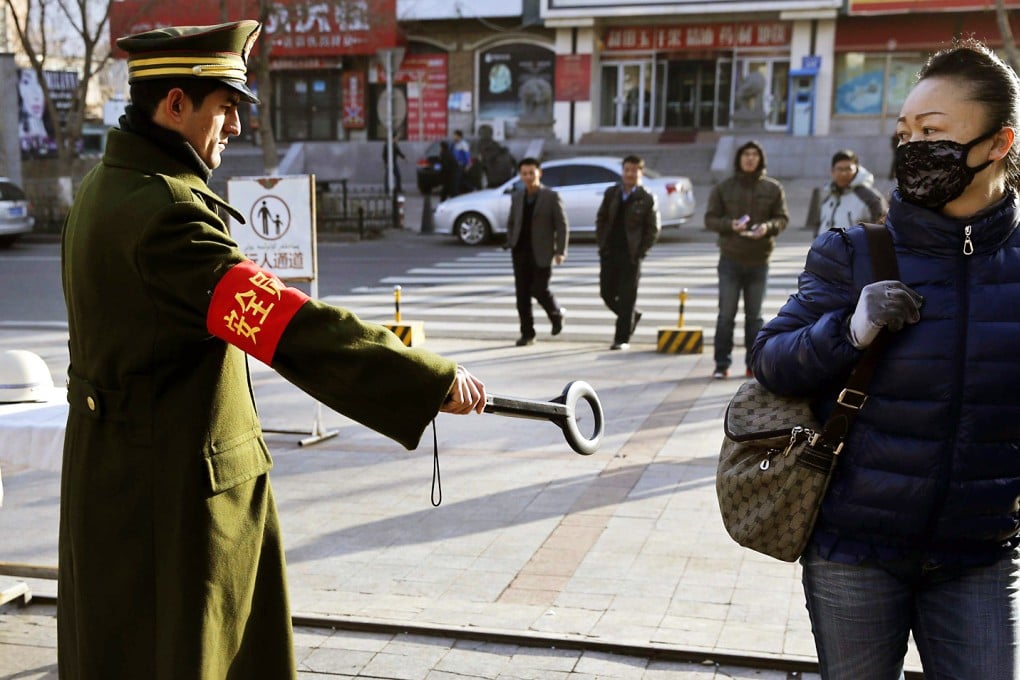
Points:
(397, 154)
(917, 533)
(627, 225)
(748, 211)
(448, 175)
(850, 197)
(537, 236)
(462, 153)
(171, 561)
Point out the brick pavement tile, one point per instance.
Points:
(590, 601)
(608, 666)
(753, 637)
(346, 662)
(474, 587)
(702, 633)
(468, 662)
(561, 621)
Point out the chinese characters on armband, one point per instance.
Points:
(250, 309)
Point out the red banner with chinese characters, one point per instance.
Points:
(426, 78)
(353, 100)
(294, 27)
(903, 6)
(573, 77)
(697, 36)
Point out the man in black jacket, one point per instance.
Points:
(626, 227)
(537, 237)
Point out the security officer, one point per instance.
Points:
(171, 559)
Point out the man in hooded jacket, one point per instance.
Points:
(851, 197)
(747, 210)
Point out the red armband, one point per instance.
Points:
(250, 309)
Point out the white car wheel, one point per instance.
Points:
(472, 229)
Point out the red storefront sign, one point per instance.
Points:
(918, 32)
(353, 100)
(901, 6)
(294, 28)
(426, 80)
(697, 36)
(573, 77)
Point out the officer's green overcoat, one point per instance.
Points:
(171, 560)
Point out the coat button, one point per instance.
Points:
(91, 403)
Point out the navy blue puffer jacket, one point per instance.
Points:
(933, 461)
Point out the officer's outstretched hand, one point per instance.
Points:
(889, 304)
(466, 395)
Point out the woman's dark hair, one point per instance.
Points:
(147, 94)
(992, 83)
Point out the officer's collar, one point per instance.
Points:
(171, 142)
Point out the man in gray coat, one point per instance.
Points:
(537, 238)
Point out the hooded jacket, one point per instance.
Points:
(932, 463)
(858, 202)
(747, 193)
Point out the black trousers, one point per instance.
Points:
(531, 281)
(618, 284)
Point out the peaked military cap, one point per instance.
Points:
(219, 52)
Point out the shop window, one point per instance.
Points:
(869, 84)
(516, 82)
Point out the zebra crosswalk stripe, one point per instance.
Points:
(473, 295)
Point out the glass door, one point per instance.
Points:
(307, 105)
(626, 100)
(690, 95)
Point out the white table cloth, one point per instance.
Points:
(32, 433)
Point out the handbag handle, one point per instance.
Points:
(852, 398)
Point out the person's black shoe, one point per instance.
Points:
(620, 346)
(524, 341)
(557, 321)
(637, 320)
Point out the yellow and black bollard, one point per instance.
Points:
(411, 333)
(682, 339)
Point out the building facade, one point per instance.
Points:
(673, 70)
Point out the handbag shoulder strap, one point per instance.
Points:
(852, 398)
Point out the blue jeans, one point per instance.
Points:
(964, 620)
(736, 279)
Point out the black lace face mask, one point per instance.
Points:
(931, 174)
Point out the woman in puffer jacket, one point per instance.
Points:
(918, 530)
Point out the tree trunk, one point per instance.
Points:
(1002, 16)
(270, 156)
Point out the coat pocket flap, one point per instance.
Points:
(241, 460)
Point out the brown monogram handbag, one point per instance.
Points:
(777, 458)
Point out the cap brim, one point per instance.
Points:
(246, 94)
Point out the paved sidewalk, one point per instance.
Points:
(622, 550)
(624, 547)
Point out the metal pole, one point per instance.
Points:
(389, 126)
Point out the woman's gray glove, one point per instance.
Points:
(884, 303)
